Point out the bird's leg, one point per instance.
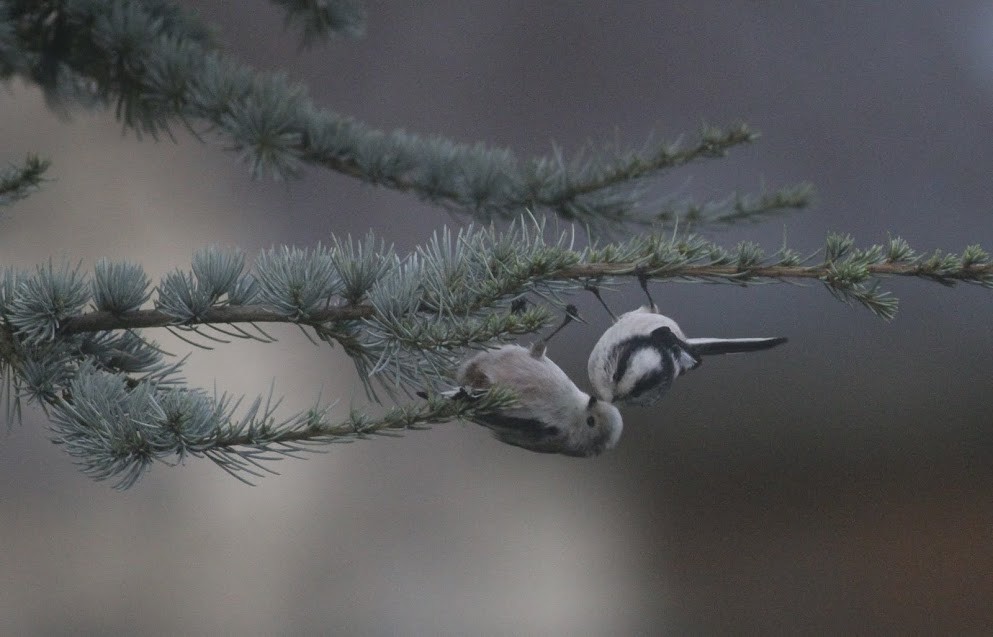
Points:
(642, 274)
(595, 289)
(571, 314)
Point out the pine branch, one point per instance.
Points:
(737, 208)
(159, 66)
(117, 432)
(323, 19)
(600, 190)
(405, 323)
(714, 142)
(97, 321)
(826, 272)
(17, 182)
(117, 404)
(687, 258)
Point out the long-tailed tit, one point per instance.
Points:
(551, 414)
(641, 354)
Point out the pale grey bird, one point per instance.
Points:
(637, 359)
(551, 414)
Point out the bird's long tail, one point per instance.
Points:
(711, 346)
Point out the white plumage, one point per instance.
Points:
(643, 352)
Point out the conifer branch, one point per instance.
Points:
(323, 19)
(118, 405)
(763, 274)
(97, 321)
(19, 181)
(100, 321)
(737, 208)
(158, 66)
(117, 432)
(659, 259)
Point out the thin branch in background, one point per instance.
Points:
(323, 19)
(19, 181)
(737, 208)
(158, 65)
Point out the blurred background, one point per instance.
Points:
(842, 484)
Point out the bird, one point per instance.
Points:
(550, 414)
(637, 358)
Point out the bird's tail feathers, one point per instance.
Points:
(711, 346)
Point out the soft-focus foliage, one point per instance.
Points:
(157, 65)
(17, 182)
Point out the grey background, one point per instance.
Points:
(840, 484)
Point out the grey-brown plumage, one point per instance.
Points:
(551, 414)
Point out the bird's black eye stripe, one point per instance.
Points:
(628, 348)
(590, 421)
(662, 340)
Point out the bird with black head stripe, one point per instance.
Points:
(637, 358)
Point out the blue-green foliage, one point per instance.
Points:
(323, 19)
(118, 404)
(18, 181)
(299, 283)
(127, 353)
(361, 264)
(245, 291)
(157, 65)
(111, 429)
(43, 373)
(116, 430)
(187, 296)
(42, 300)
(182, 298)
(266, 125)
(217, 270)
(119, 287)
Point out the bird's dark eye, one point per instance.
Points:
(590, 421)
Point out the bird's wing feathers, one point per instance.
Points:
(682, 353)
